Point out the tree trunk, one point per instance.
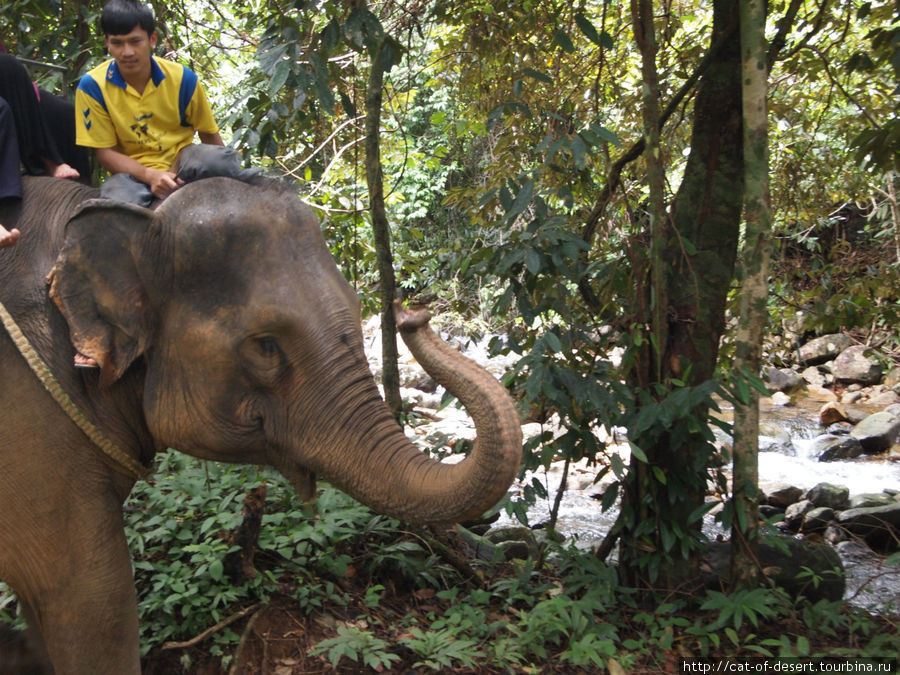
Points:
(660, 548)
(645, 36)
(382, 231)
(752, 318)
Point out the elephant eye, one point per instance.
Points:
(268, 346)
(264, 360)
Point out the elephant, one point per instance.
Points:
(223, 328)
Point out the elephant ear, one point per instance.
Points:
(97, 285)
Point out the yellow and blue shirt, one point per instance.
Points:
(152, 127)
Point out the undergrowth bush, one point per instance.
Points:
(569, 609)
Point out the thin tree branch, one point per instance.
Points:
(224, 623)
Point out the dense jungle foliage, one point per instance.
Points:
(521, 203)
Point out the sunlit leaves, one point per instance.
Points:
(600, 39)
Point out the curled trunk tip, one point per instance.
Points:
(409, 320)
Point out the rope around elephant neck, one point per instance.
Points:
(40, 369)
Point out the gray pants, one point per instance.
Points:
(193, 163)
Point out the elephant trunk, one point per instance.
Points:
(392, 476)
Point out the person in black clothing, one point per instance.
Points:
(27, 116)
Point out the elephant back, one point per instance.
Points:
(41, 215)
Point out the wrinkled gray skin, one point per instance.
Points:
(223, 329)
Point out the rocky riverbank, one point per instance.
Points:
(861, 421)
(842, 401)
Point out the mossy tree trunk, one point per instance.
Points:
(390, 370)
(660, 527)
(754, 271)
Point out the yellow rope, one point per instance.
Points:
(56, 391)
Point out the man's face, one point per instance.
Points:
(132, 52)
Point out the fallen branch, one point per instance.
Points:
(224, 623)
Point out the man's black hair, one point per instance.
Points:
(120, 17)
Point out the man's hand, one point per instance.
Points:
(162, 183)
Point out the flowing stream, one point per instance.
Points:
(786, 443)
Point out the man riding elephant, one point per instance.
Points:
(140, 112)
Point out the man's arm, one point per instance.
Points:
(210, 139)
(162, 183)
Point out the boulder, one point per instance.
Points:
(793, 328)
(421, 382)
(839, 428)
(892, 379)
(781, 443)
(771, 513)
(786, 563)
(781, 379)
(879, 526)
(817, 520)
(793, 514)
(883, 399)
(877, 432)
(869, 500)
(814, 377)
(853, 549)
(851, 396)
(832, 412)
(780, 400)
(835, 534)
(514, 541)
(854, 365)
(783, 496)
(830, 448)
(421, 398)
(826, 494)
(824, 348)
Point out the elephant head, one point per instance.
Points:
(251, 349)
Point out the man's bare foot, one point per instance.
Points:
(61, 170)
(8, 237)
(82, 361)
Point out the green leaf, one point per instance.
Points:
(561, 40)
(606, 134)
(215, 570)
(588, 29)
(637, 452)
(579, 151)
(347, 105)
(537, 75)
(533, 260)
(270, 57)
(552, 341)
(279, 77)
(385, 57)
(610, 495)
(331, 35)
(323, 82)
(522, 200)
(618, 466)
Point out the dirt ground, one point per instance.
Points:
(275, 640)
(277, 637)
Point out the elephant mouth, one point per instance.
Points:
(302, 480)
